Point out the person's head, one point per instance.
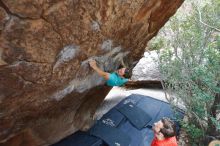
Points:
(165, 128)
(124, 72)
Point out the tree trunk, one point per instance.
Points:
(212, 129)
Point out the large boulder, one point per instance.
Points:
(47, 90)
(147, 69)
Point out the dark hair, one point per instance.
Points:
(128, 73)
(169, 128)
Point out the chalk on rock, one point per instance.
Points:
(67, 54)
(107, 45)
(95, 26)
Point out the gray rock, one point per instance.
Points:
(147, 68)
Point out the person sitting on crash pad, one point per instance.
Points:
(164, 133)
(118, 78)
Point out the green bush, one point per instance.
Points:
(190, 66)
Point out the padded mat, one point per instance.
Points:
(138, 117)
(112, 136)
(80, 139)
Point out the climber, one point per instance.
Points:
(164, 133)
(118, 78)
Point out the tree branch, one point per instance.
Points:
(200, 20)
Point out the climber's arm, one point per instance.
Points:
(105, 75)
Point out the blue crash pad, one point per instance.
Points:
(80, 139)
(113, 118)
(137, 138)
(112, 136)
(156, 109)
(115, 127)
(138, 117)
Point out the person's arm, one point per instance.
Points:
(93, 65)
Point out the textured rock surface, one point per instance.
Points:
(147, 68)
(47, 89)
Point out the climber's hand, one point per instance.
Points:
(92, 63)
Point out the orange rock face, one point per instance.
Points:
(47, 90)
